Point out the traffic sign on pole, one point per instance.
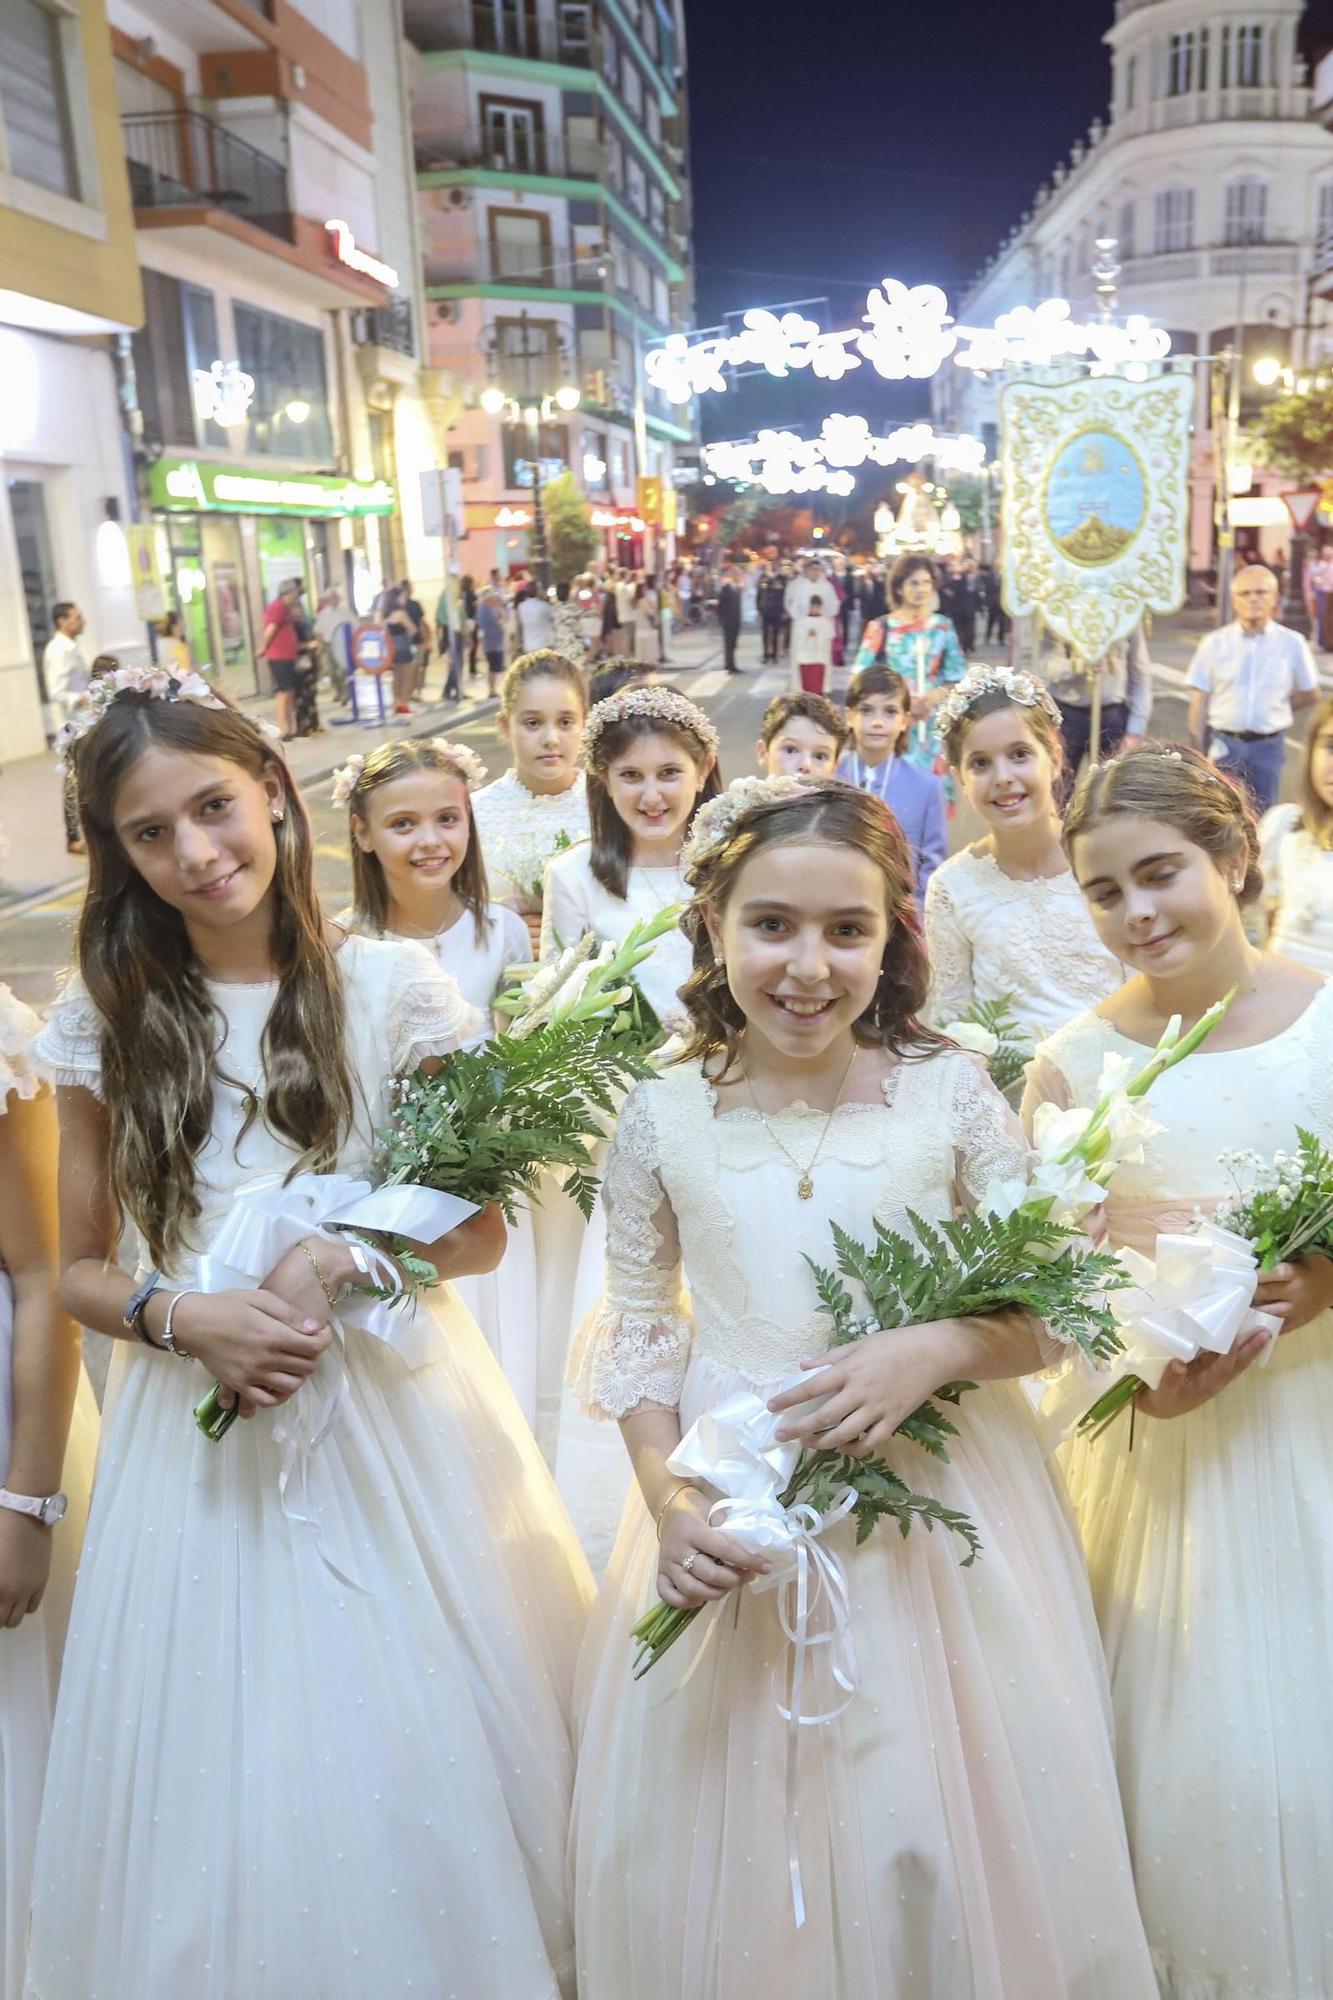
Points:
(1302, 505)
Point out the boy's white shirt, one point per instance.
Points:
(812, 644)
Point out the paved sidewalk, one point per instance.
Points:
(36, 868)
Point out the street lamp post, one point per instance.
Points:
(532, 413)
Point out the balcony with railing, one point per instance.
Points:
(390, 327)
(516, 150)
(181, 159)
(494, 27)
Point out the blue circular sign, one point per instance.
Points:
(371, 649)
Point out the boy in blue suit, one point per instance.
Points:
(879, 712)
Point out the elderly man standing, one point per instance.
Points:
(1246, 680)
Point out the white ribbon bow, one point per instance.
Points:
(734, 1449)
(269, 1216)
(1193, 1296)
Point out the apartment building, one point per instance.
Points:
(69, 295)
(1215, 179)
(551, 152)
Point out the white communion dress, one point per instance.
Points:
(591, 1469)
(958, 1828)
(519, 831)
(313, 1736)
(1298, 889)
(991, 937)
(504, 1302)
(30, 1653)
(1210, 1543)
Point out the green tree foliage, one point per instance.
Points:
(1294, 432)
(571, 539)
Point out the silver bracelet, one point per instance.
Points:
(168, 1338)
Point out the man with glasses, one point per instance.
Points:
(1247, 680)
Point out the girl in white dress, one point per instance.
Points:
(957, 1825)
(1209, 1526)
(48, 1436)
(1296, 855)
(542, 800)
(312, 1733)
(1004, 917)
(651, 758)
(418, 872)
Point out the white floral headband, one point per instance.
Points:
(466, 762)
(156, 682)
(1021, 689)
(663, 704)
(716, 822)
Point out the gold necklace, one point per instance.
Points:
(805, 1186)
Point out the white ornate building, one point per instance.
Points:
(1215, 177)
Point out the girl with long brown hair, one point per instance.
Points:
(354, 1615)
(955, 1818)
(418, 872)
(1208, 1523)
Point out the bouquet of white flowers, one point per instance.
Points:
(988, 1028)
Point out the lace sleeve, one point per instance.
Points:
(70, 1045)
(634, 1346)
(428, 1014)
(950, 952)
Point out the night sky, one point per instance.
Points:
(833, 146)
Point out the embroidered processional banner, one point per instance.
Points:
(1095, 503)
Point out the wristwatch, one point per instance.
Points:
(47, 1511)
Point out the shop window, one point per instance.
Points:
(289, 416)
(177, 342)
(38, 41)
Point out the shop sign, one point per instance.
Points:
(615, 517)
(344, 247)
(648, 496)
(190, 485)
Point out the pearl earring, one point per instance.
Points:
(277, 815)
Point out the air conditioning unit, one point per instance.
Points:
(458, 197)
(446, 312)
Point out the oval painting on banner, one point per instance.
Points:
(1096, 498)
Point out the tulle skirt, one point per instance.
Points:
(1210, 1545)
(958, 1828)
(316, 1749)
(30, 1666)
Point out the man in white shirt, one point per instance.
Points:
(812, 582)
(1247, 679)
(67, 676)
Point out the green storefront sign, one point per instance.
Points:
(194, 486)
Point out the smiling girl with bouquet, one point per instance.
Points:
(312, 1726)
(954, 1822)
(1208, 1524)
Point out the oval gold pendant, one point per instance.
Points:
(805, 1187)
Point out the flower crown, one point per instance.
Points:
(660, 702)
(1021, 689)
(716, 822)
(156, 682)
(466, 762)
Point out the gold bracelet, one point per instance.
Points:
(681, 1486)
(315, 1266)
